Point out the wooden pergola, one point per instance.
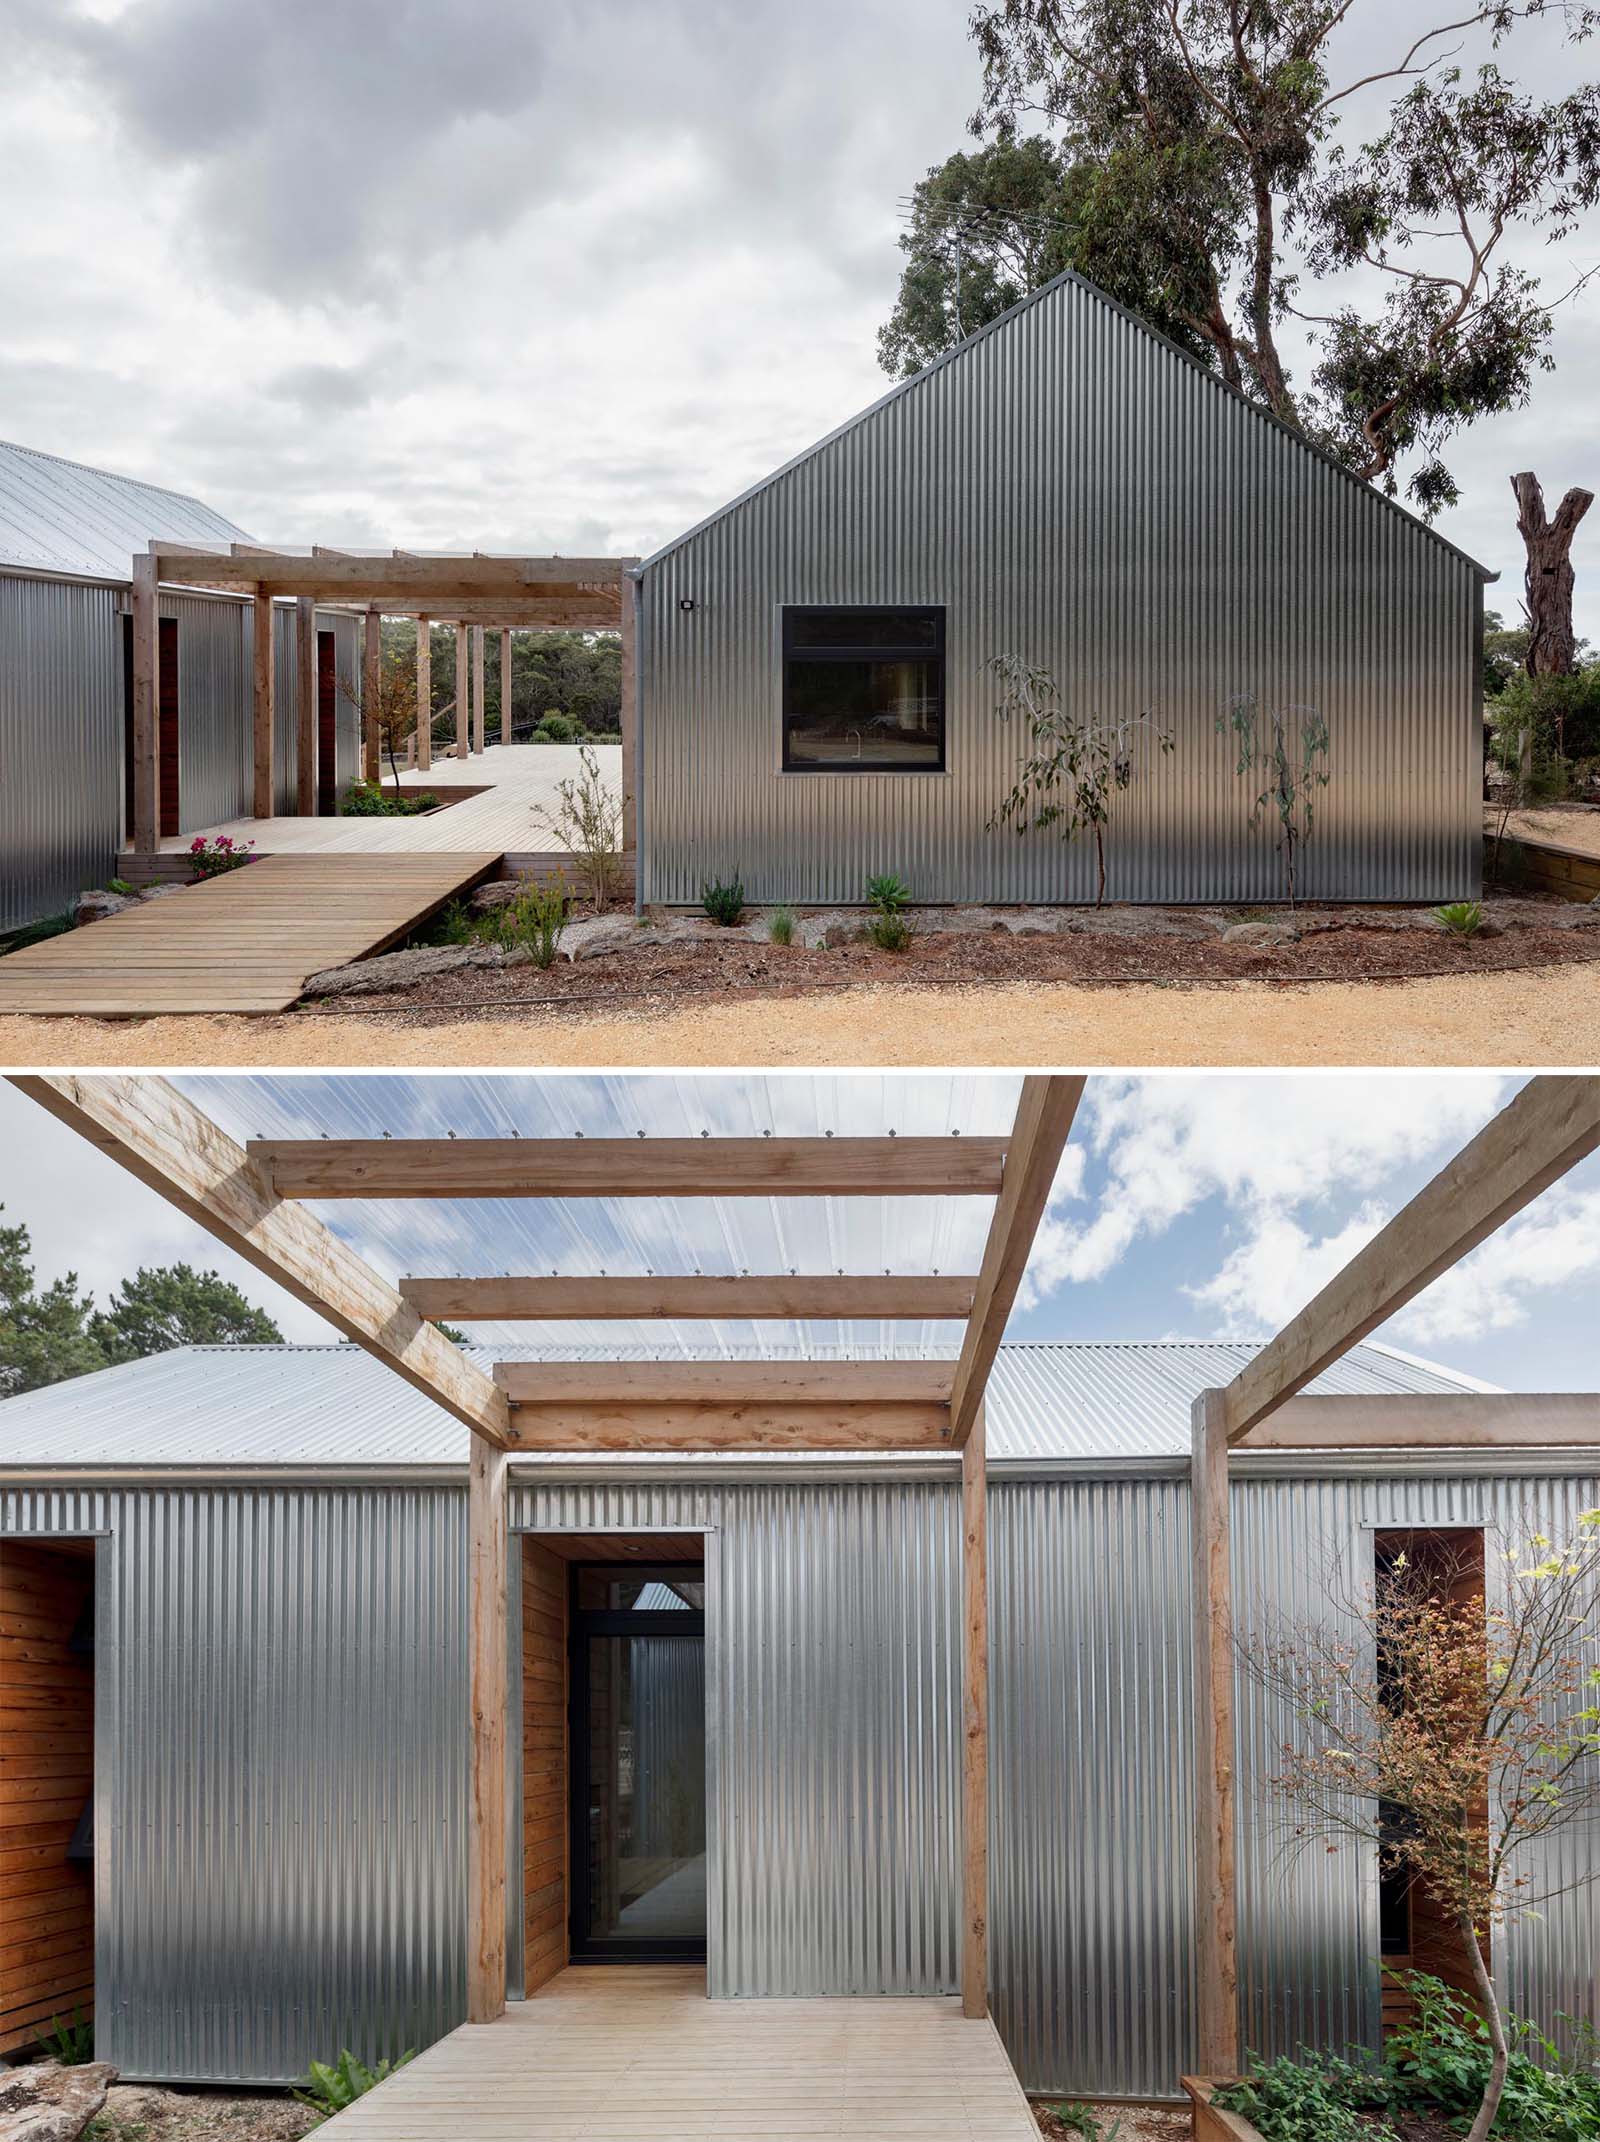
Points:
(249, 1197)
(474, 591)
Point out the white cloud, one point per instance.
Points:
(1276, 1269)
(1555, 1243)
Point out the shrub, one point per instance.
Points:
(214, 858)
(72, 2044)
(370, 799)
(331, 2088)
(536, 919)
(557, 728)
(890, 928)
(1310, 2099)
(780, 926)
(35, 933)
(1462, 917)
(1562, 714)
(121, 888)
(888, 894)
(723, 900)
(588, 823)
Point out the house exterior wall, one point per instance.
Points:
(281, 1729)
(62, 739)
(1078, 494)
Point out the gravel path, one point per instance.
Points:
(1530, 1017)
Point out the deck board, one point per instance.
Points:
(636, 2053)
(246, 942)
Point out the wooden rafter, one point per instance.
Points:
(725, 1383)
(352, 576)
(631, 1167)
(159, 1136)
(1032, 1154)
(865, 1296)
(1551, 1125)
(1434, 1420)
(818, 1425)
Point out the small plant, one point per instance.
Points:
(1309, 2099)
(367, 799)
(536, 919)
(214, 858)
(35, 933)
(72, 2044)
(888, 894)
(1283, 752)
(588, 823)
(723, 900)
(329, 2089)
(1083, 2120)
(122, 888)
(780, 926)
(1463, 918)
(889, 927)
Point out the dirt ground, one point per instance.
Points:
(139, 2112)
(1546, 1016)
(1558, 825)
(1119, 2123)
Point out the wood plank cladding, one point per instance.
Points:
(545, 1893)
(46, 1777)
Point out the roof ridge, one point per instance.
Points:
(90, 468)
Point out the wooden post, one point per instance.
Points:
(975, 1724)
(146, 828)
(630, 811)
(478, 724)
(463, 743)
(486, 1685)
(505, 685)
(305, 706)
(1216, 1903)
(371, 683)
(424, 752)
(264, 669)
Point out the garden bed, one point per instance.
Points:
(675, 961)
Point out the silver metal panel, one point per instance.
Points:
(62, 517)
(283, 1758)
(335, 1405)
(60, 743)
(215, 708)
(1078, 494)
(347, 634)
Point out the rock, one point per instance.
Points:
(398, 970)
(47, 2103)
(95, 906)
(1261, 933)
(137, 2104)
(160, 892)
(596, 935)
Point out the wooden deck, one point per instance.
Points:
(636, 2053)
(246, 942)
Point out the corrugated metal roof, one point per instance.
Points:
(334, 1405)
(63, 517)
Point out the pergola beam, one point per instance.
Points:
(724, 1383)
(1551, 1125)
(863, 1297)
(635, 1425)
(1032, 1154)
(351, 576)
(1434, 1420)
(635, 1167)
(159, 1136)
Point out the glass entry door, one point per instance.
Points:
(639, 1763)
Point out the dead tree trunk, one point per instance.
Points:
(1552, 647)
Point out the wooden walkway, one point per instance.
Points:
(636, 2053)
(246, 942)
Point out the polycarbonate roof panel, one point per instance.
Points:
(582, 1237)
(62, 517)
(334, 1405)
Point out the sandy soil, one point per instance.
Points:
(1558, 825)
(1120, 2123)
(1532, 1017)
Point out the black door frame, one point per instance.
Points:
(583, 1623)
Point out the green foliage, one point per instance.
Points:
(1309, 2099)
(122, 888)
(723, 900)
(215, 858)
(1464, 918)
(1072, 769)
(369, 799)
(35, 933)
(174, 1305)
(888, 894)
(70, 2043)
(780, 926)
(889, 927)
(1562, 715)
(1505, 651)
(574, 675)
(44, 1337)
(1287, 751)
(535, 920)
(559, 729)
(1083, 2120)
(331, 2088)
(587, 822)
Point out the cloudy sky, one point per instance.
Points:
(504, 275)
(1187, 1207)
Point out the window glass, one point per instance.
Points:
(863, 690)
(864, 628)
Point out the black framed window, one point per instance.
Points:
(863, 689)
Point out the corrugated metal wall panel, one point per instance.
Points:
(215, 708)
(283, 1761)
(60, 743)
(1079, 496)
(347, 636)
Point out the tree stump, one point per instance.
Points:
(1552, 646)
(49, 2103)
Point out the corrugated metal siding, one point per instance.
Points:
(347, 633)
(1078, 495)
(60, 743)
(215, 708)
(282, 1761)
(282, 1765)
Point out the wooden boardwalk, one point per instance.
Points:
(636, 2053)
(246, 942)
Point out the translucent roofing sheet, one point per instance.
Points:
(334, 1405)
(583, 1237)
(63, 517)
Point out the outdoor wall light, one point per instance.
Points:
(685, 602)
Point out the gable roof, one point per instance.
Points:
(334, 1405)
(64, 517)
(1069, 277)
